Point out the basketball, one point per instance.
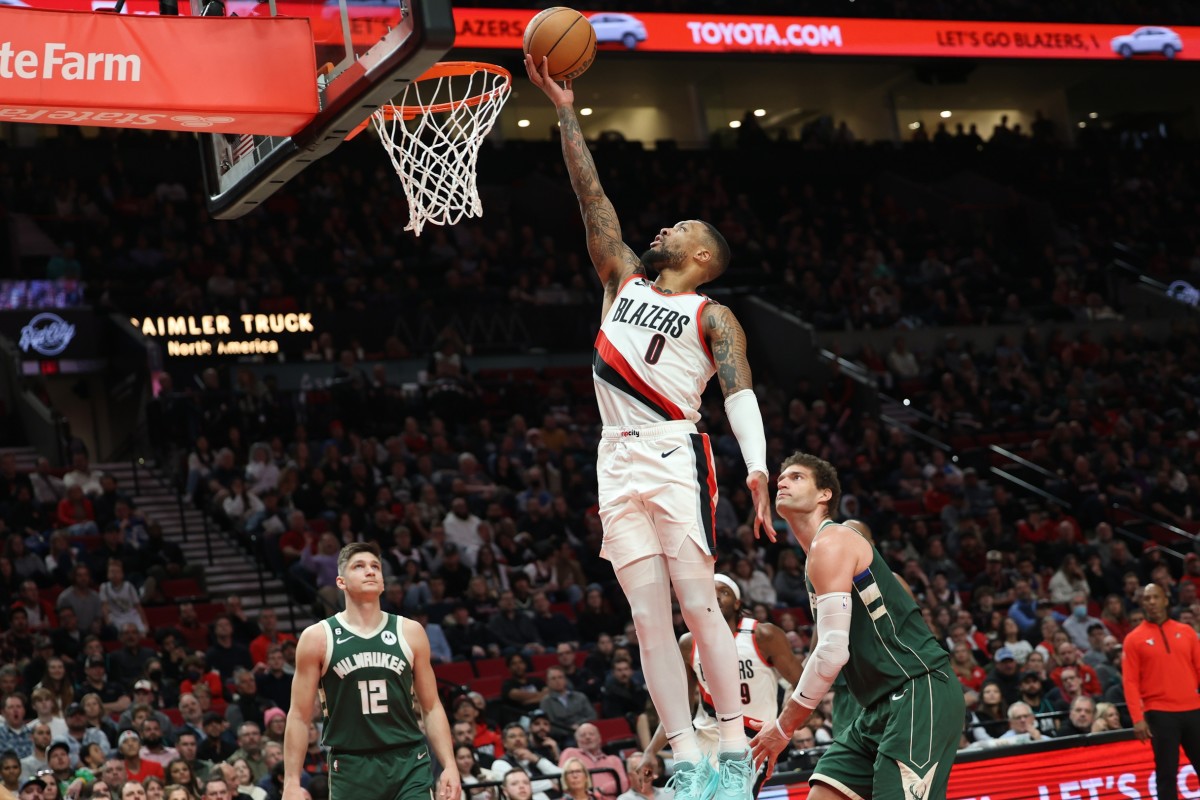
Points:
(564, 37)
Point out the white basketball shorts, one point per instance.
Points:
(658, 488)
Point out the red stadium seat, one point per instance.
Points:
(491, 667)
(488, 687)
(614, 731)
(161, 616)
(544, 662)
(566, 609)
(455, 672)
(182, 589)
(207, 612)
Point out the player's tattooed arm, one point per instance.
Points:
(727, 341)
(613, 259)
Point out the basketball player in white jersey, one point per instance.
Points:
(764, 658)
(659, 344)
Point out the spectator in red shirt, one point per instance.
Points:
(969, 673)
(75, 513)
(129, 745)
(936, 497)
(485, 736)
(268, 623)
(1068, 657)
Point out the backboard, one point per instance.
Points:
(367, 51)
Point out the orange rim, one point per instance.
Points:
(454, 69)
(446, 69)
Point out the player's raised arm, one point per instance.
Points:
(310, 655)
(613, 259)
(727, 342)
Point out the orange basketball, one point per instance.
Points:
(565, 37)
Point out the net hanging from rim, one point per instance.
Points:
(433, 136)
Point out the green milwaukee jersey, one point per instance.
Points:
(367, 688)
(889, 641)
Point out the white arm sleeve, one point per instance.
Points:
(746, 420)
(832, 651)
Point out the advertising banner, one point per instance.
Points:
(208, 74)
(1121, 770)
(827, 36)
(502, 29)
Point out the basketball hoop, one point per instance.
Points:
(433, 137)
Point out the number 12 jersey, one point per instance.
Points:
(366, 688)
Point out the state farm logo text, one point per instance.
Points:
(57, 62)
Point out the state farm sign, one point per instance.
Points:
(66, 67)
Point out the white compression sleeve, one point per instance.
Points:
(746, 420)
(832, 651)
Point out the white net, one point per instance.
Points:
(435, 151)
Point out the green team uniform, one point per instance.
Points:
(903, 743)
(372, 726)
(845, 707)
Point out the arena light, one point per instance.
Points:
(760, 112)
(522, 123)
(737, 123)
(945, 115)
(585, 112)
(1082, 124)
(1093, 115)
(914, 126)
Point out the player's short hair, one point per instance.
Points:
(721, 253)
(823, 473)
(354, 548)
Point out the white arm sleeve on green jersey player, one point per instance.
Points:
(832, 651)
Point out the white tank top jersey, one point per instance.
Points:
(651, 362)
(758, 682)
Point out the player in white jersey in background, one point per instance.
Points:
(659, 344)
(764, 659)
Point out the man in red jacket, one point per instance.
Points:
(1161, 675)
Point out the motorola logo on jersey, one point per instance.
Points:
(651, 315)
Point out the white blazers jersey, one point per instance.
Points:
(757, 680)
(651, 362)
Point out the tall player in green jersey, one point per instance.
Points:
(372, 673)
(902, 745)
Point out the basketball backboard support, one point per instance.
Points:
(371, 49)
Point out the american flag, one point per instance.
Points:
(243, 146)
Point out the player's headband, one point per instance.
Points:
(728, 581)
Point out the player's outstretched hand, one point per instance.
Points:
(757, 483)
(449, 785)
(767, 745)
(539, 75)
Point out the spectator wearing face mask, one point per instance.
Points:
(1078, 623)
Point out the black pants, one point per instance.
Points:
(1170, 729)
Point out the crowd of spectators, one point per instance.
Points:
(851, 235)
